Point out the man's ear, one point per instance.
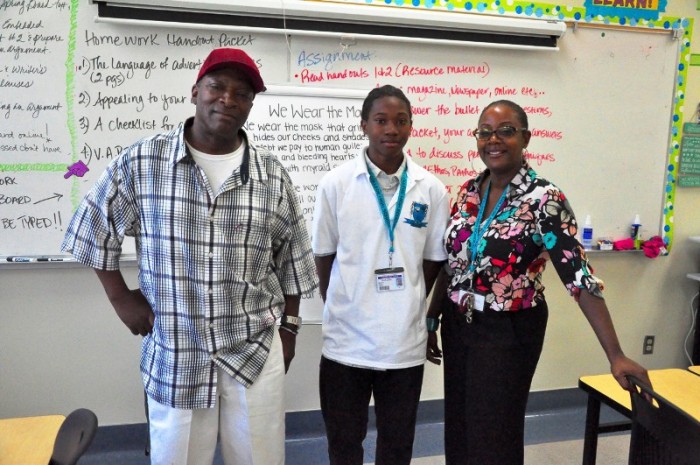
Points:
(195, 92)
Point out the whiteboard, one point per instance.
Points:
(77, 91)
(310, 130)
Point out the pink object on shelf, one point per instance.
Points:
(624, 244)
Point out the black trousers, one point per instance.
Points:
(488, 370)
(345, 395)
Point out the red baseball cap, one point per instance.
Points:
(233, 58)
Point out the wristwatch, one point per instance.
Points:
(292, 320)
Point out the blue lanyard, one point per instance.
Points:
(390, 225)
(479, 230)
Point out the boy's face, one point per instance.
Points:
(388, 128)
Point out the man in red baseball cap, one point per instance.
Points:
(223, 255)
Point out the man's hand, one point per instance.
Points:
(135, 312)
(289, 344)
(131, 306)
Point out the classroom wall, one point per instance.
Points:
(62, 346)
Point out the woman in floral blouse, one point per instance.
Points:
(505, 225)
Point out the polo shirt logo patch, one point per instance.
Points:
(418, 211)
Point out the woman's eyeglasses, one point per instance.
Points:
(504, 132)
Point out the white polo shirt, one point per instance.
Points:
(362, 326)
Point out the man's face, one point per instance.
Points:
(223, 100)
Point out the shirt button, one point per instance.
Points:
(210, 291)
(211, 255)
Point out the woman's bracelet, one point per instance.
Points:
(432, 324)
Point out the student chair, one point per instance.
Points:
(74, 437)
(662, 434)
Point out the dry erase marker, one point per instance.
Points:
(55, 259)
(21, 259)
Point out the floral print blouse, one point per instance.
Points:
(533, 224)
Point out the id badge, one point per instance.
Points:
(469, 301)
(390, 279)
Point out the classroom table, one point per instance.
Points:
(680, 387)
(29, 439)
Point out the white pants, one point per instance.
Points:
(248, 422)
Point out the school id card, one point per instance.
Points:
(390, 279)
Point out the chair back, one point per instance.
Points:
(74, 437)
(662, 434)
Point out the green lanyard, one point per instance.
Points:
(389, 224)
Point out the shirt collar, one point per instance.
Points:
(414, 173)
(251, 166)
(377, 171)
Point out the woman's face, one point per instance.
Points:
(502, 154)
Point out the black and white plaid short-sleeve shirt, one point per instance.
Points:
(215, 267)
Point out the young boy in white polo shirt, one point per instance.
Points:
(377, 238)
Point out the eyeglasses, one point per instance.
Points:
(504, 132)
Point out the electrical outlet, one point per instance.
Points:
(648, 345)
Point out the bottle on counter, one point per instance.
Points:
(636, 231)
(587, 234)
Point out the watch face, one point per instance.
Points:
(293, 320)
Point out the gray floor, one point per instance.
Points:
(557, 433)
(612, 450)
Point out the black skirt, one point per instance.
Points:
(488, 369)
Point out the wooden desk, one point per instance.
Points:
(28, 440)
(680, 387)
